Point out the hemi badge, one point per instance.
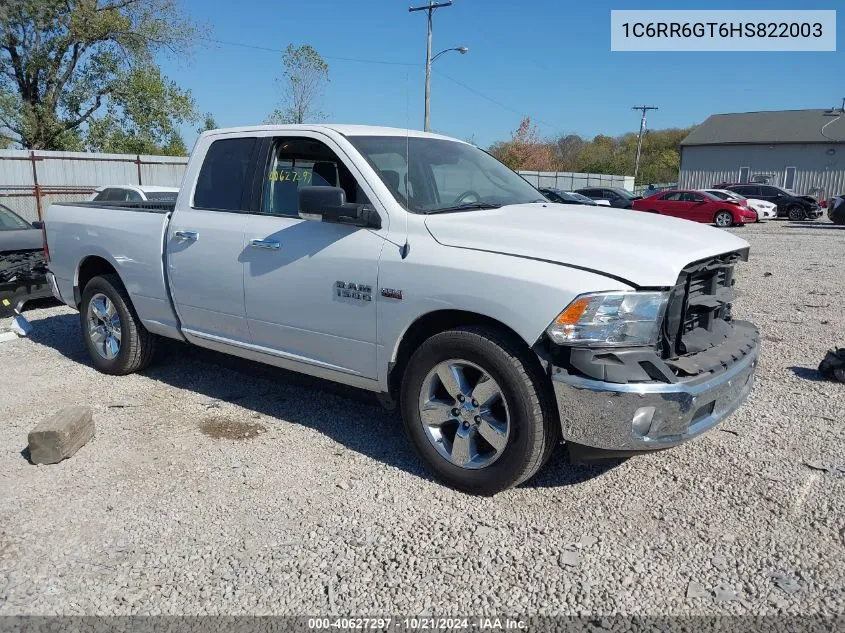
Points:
(390, 293)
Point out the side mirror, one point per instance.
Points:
(330, 205)
(37, 224)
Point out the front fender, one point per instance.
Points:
(523, 294)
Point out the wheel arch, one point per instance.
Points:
(89, 267)
(429, 324)
(735, 217)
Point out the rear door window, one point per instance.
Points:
(225, 175)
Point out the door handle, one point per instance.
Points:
(272, 245)
(193, 236)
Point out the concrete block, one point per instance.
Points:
(61, 435)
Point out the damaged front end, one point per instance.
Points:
(640, 398)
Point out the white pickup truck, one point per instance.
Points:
(419, 267)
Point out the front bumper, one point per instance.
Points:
(646, 416)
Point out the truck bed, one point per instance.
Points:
(127, 235)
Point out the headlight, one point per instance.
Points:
(611, 319)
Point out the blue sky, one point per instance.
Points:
(548, 59)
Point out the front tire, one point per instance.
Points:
(723, 219)
(796, 213)
(477, 408)
(117, 341)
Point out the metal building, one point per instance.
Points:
(801, 150)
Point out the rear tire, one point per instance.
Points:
(796, 213)
(118, 344)
(525, 415)
(723, 219)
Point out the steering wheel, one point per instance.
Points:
(466, 194)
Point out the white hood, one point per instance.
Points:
(644, 249)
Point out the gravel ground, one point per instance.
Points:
(216, 486)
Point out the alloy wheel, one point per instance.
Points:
(464, 414)
(104, 326)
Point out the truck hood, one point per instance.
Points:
(640, 249)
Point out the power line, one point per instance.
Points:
(495, 102)
(478, 93)
(334, 57)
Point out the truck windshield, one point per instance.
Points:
(442, 175)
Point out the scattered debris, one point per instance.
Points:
(818, 465)
(123, 405)
(696, 590)
(767, 274)
(813, 305)
(832, 366)
(330, 594)
(20, 325)
(628, 580)
(724, 593)
(484, 532)
(61, 435)
(570, 558)
(731, 431)
(788, 584)
(719, 562)
(343, 485)
(587, 540)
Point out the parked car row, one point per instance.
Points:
(724, 205)
(788, 203)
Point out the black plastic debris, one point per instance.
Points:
(832, 366)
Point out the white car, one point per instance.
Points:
(765, 210)
(134, 193)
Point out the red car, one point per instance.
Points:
(697, 206)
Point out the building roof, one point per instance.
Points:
(783, 126)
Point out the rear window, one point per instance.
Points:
(224, 175)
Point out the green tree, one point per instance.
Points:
(208, 123)
(303, 80)
(78, 74)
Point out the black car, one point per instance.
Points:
(789, 204)
(616, 196)
(23, 269)
(564, 197)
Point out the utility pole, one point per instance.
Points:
(644, 109)
(430, 7)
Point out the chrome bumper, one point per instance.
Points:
(644, 416)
